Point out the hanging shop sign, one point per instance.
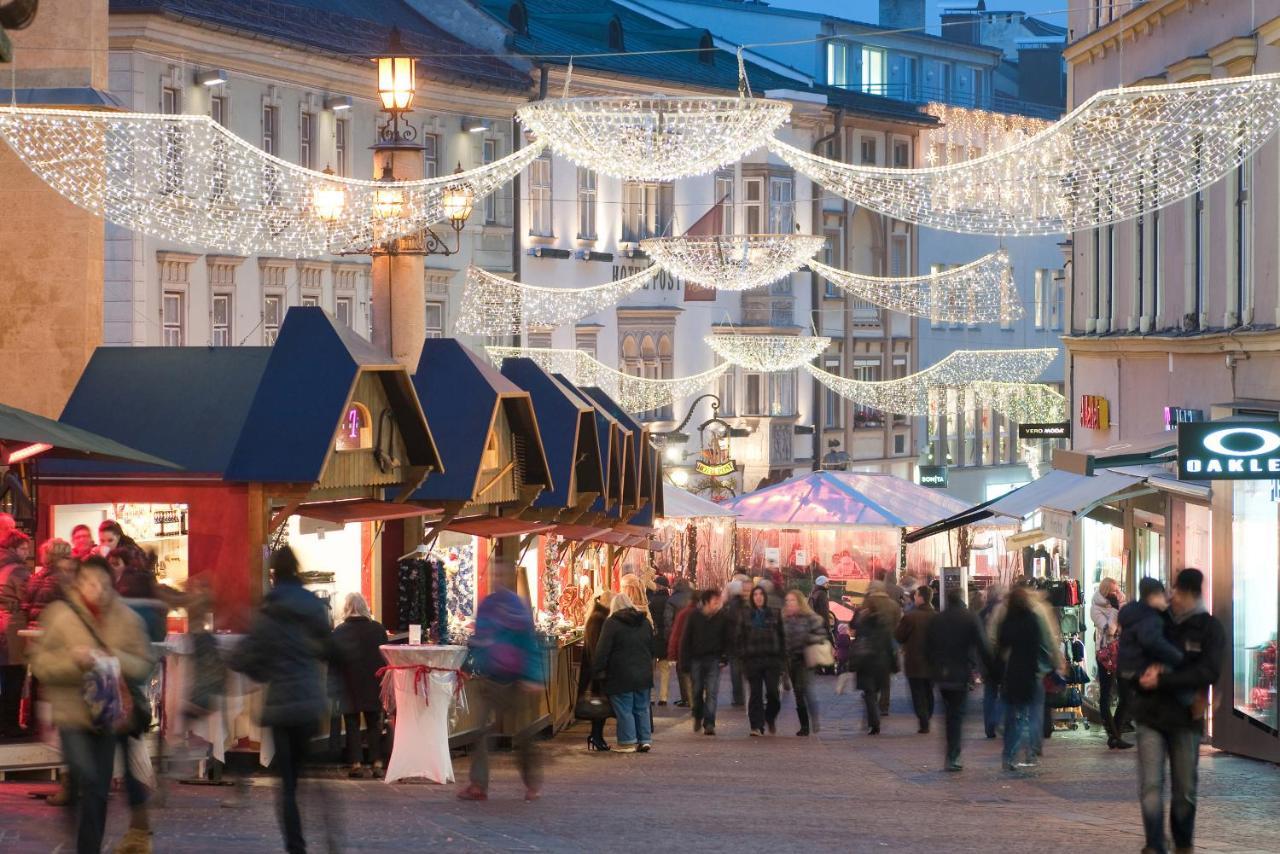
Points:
(1053, 430)
(1229, 450)
(1093, 412)
(1175, 415)
(715, 459)
(934, 477)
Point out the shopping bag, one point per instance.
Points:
(819, 654)
(105, 693)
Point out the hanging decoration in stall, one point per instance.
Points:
(733, 262)
(1025, 403)
(188, 179)
(981, 291)
(634, 394)
(767, 352)
(909, 395)
(492, 305)
(1119, 154)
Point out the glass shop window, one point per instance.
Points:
(1255, 535)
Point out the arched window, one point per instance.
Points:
(355, 433)
(615, 35)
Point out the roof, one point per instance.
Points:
(21, 430)
(826, 498)
(1041, 27)
(357, 29)
(67, 96)
(682, 504)
(610, 443)
(631, 433)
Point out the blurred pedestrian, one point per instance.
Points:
(638, 592)
(954, 644)
(992, 705)
(912, 633)
(1021, 642)
(871, 656)
(358, 642)
(508, 660)
(763, 648)
(889, 609)
(623, 663)
(820, 602)
(679, 607)
(658, 599)
(801, 628)
(92, 638)
(703, 649)
(1104, 612)
(588, 683)
(287, 649)
(49, 582)
(736, 606)
(15, 571)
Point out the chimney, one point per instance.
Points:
(961, 23)
(902, 14)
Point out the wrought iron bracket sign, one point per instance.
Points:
(1053, 430)
(1229, 450)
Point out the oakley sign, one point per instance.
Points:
(1229, 450)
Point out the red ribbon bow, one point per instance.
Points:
(421, 682)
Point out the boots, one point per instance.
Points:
(135, 841)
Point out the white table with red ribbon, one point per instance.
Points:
(420, 685)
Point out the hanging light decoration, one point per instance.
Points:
(1119, 154)
(909, 395)
(981, 291)
(767, 352)
(634, 394)
(188, 179)
(733, 262)
(1024, 403)
(492, 305)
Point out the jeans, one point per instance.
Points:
(686, 686)
(632, 711)
(806, 698)
(662, 677)
(90, 758)
(1106, 693)
(737, 675)
(1022, 725)
(135, 792)
(921, 699)
(762, 681)
(1121, 718)
(954, 701)
(992, 707)
(293, 746)
(1182, 747)
(705, 675)
(494, 698)
(372, 723)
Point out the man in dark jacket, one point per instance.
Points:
(954, 642)
(658, 598)
(704, 646)
(286, 649)
(1168, 726)
(911, 633)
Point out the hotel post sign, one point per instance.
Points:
(1229, 450)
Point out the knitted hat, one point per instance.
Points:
(821, 581)
(1147, 586)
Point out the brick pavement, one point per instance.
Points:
(840, 790)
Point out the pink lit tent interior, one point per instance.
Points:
(850, 523)
(697, 538)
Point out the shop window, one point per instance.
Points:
(355, 433)
(1255, 531)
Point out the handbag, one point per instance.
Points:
(819, 654)
(1109, 656)
(592, 707)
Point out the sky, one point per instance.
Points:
(1054, 11)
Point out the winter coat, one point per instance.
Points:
(1204, 641)
(623, 659)
(1104, 619)
(1020, 644)
(61, 678)
(760, 635)
(736, 608)
(704, 637)
(912, 633)
(14, 574)
(800, 631)
(872, 650)
(676, 602)
(677, 631)
(45, 587)
(820, 602)
(661, 628)
(357, 646)
(886, 608)
(504, 646)
(954, 643)
(287, 646)
(591, 637)
(1144, 640)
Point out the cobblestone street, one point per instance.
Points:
(840, 790)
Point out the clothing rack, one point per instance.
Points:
(1065, 707)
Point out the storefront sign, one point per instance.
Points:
(723, 469)
(1175, 415)
(934, 477)
(1054, 430)
(1093, 412)
(1229, 450)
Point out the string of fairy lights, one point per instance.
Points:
(1024, 403)
(493, 305)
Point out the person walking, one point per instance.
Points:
(763, 646)
(954, 643)
(1104, 612)
(287, 649)
(1021, 644)
(888, 608)
(82, 634)
(358, 642)
(705, 645)
(871, 655)
(820, 601)
(679, 607)
(623, 662)
(658, 599)
(992, 705)
(15, 571)
(736, 606)
(801, 628)
(912, 633)
(587, 681)
(1169, 728)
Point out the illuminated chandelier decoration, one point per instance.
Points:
(733, 262)
(1121, 153)
(909, 395)
(981, 291)
(767, 352)
(188, 179)
(1024, 403)
(634, 394)
(492, 305)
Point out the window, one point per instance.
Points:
(874, 73)
(587, 182)
(832, 403)
(1199, 238)
(867, 370)
(311, 300)
(1111, 277)
(1255, 534)
(343, 309)
(586, 339)
(489, 153)
(837, 64)
(1240, 239)
(272, 315)
(173, 318)
(218, 109)
(220, 315)
(341, 142)
(782, 393)
(901, 154)
(1058, 305)
(540, 195)
(899, 443)
(944, 81)
(538, 337)
(430, 155)
(435, 320)
(306, 140)
(832, 257)
(753, 205)
(867, 149)
(726, 386)
(646, 210)
(899, 372)
(899, 263)
(356, 430)
(782, 212)
(1157, 298)
(648, 353)
(270, 129)
(911, 78)
(1041, 298)
(753, 393)
(724, 198)
(976, 80)
(174, 158)
(170, 101)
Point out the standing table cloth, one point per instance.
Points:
(422, 722)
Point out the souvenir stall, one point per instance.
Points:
(698, 538)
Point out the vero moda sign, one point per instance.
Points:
(1229, 450)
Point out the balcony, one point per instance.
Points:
(991, 101)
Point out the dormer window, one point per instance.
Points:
(355, 433)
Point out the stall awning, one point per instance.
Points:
(360, 510)
(682, 504)
(1158, 477)
(579, 532)
(496, 526)
(1141, 450)
(25, 435)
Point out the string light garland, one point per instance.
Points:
(733, 262)
(1119, 154)
(981, 291)
(655, 138)
(1024, 403)
(188, 179)
(767, 352)
(634, 394)
(909, 395)
(492, 305)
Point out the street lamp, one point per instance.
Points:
(397, 83)
(388, 199)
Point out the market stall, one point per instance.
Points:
(698, 538)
